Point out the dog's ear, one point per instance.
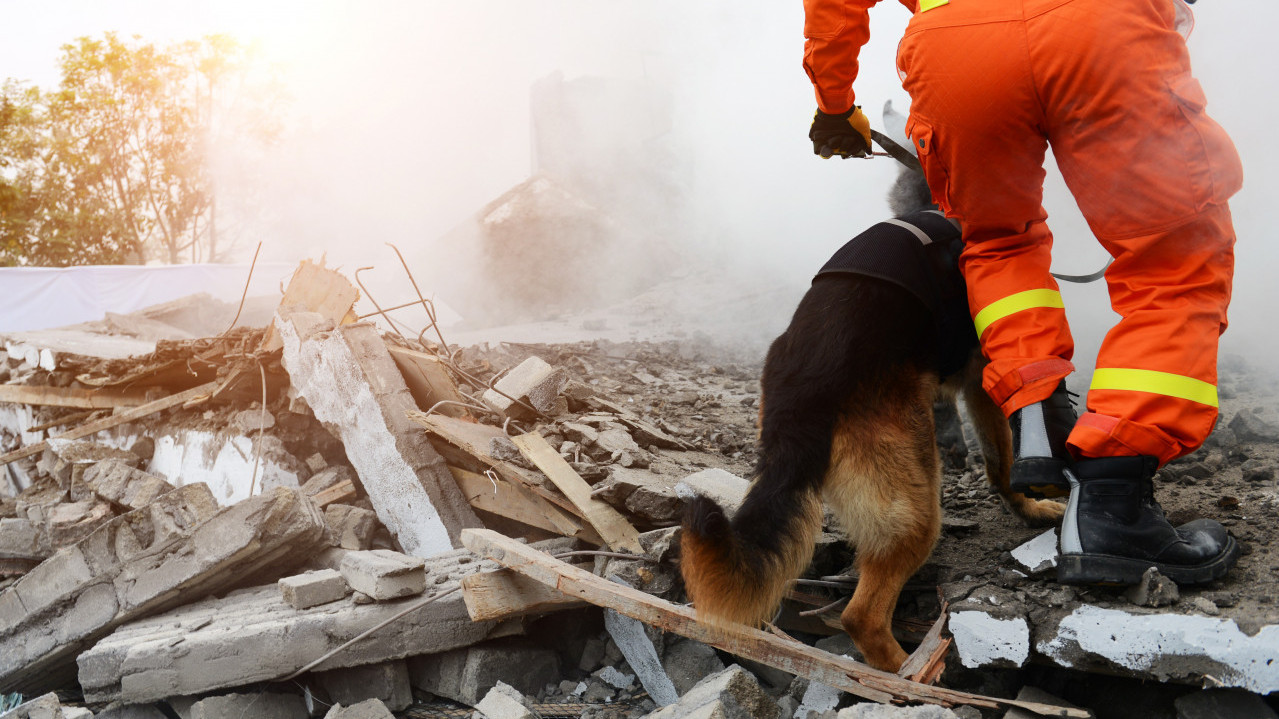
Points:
(895, 127)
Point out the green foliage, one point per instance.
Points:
(116, 164)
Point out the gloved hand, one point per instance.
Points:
(846, 134)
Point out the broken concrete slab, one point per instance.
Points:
(727, 489)
(688, 661)
(370, 709)
(177, 549)
(466, 675)
(504, 702)
(352, 527)
(313, 588)
(261, 705)
(383, 574)
(533, 381)
(123, 485)
(386, 682)
(45, 706)
(1039, 554)
(217, 643)
(731, 694)
(631, 639)
(353, 386)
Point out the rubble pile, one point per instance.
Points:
(316, 519)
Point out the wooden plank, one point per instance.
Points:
(506, 594)
(925, 663)
(71, 396)
(340, 493)
(319, 290)
(202, 391)
(473, 439)
(429, 381)
(617, 533)
(789, 656)
(505, 499)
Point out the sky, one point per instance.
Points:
(411, 115)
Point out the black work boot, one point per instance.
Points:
(1114, 530)
(1039, 445)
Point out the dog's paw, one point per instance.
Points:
(1037, 512)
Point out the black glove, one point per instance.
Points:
(846, 134)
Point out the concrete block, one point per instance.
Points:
(262, 705)
(504, 702)
(371, 709)
(121, 484)
(726, 488)
(466, 675)
(688, 661)
(383, 574)
(533, 381)
(633, 641)
(731, 694)
(388, 682)
(313, 588)
(354, 387)
(20, 539)
(69, 523)
(46, 706)
(218, 644)
(352, 527)
(176, 550)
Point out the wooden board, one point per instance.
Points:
(203, 391)
(788, 655)
(319, 290)
(616, 532)
(505, 594)
(71, 396)
(506, 499)
(429, 381)
(339, 493)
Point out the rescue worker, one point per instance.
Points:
(1106, 83)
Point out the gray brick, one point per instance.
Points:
(313, 588)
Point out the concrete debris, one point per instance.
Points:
(726, 488)
(352, 384)
(383, 574)
(352, 527)
(263, 705)
(123, 485)
(184, 652)
(368, 709)
(503, 702)
(1215, 703)
(533, 381)
(1039, 554)
(466, 675)
(387, 682)
(640, 653)
(45, 706)
(1030, 693)
(313, 588)
(1154, 590)
(731, 694)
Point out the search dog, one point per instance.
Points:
(846, 416)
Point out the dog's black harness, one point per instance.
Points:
(920, 253)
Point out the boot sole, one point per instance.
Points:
(1106, 569)
(1039, 477)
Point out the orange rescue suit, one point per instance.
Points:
(1107, 84)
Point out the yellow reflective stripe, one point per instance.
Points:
(1165, 383)
(926, 5)
(1028, 300)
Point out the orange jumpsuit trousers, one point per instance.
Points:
(1107, 83)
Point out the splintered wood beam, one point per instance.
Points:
(319, 290)
(505, 499)
(616, 532)
(339, 493)
(429, 381)
(71, 396)
(202, 391)
(789, 656)
(506, 594)
(925, 664)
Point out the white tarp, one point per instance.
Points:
(35, 298)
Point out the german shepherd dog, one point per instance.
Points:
(846, 416)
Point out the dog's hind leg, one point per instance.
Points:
(883, 486)
(997, 450)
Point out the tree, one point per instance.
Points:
(124, 151)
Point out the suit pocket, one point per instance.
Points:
(1214, 171)
(925, 141)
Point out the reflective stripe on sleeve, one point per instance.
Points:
(1030, 299)
(1165, 383)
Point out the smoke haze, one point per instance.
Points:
(408, 117)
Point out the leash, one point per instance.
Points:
(910, 162)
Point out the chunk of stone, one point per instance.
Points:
(252, 420)
(1039, 554)
(533, 381)
(1249, 426)
(352, 527)
(384, 574)
(20, 539)
(313, 588)
(262, 705)
(121, 484)
(45, 706)
(731, 694)
(503, 702)
(387, 682)
(1154, 590)
(466, 675)
(369, 709)
(688, 661)
(726, 488)
(633, 641)
(69, 523)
